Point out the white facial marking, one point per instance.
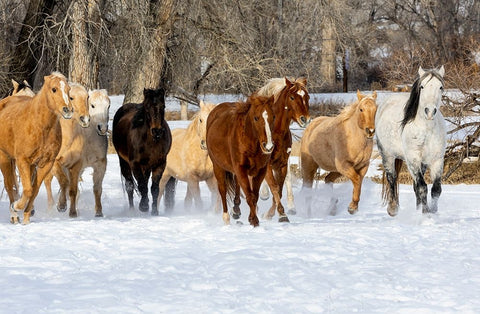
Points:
(301, 93)
(289, 150)
(65, 96)
(267, 131)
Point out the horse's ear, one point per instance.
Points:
(201, 104)
(421, 71)
(15, 84)
(287, 82)
(359, 95)
(441, 71)
(302, 80)
(374, 95)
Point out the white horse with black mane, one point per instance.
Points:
(412, 129)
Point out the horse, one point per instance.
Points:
(188, 160)
(31, 137)
(411, 129)
(291, 103)
(68, 163)
(142, 139)
(239, 143)
(341, 145)
(21, 89)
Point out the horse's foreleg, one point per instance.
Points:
(356, 179)
(236, 212)
(9, 177)
(73, 188)
(155, 188)
(64, 181)
(220, 175)
(194, 188)
(142, 184)
(37, 179)
(436, 170)
(288, 185)
(25, 171)
(419, 186)
(47, 182)
(272, 183)
(390, 189)
(251, 193)
(98, 175)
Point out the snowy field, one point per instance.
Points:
(190, 262)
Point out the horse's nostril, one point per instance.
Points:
(434, 111)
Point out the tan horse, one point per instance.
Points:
(31, 136)
(341, 145)
(188, 161)
(68, 162)
(22, 89)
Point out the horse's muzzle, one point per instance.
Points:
(370, 132)
(265, 149)
(84, 121)
(157, 133)
(203, 144)
(304, 121)
(67, 113)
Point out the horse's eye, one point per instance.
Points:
(255, 118)
(71, 98)
(54, 90)
(93, 106)
(201, 121)
(441, 87)
(292, 98)
(421, 87)
(361, 110)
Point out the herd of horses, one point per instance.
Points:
(233, 146)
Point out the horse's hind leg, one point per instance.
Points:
(39, 175)
(155, 188)
(98, 175)
(63, 181)
(309, 168)
(220, 175)
(142, 183)
(436, 169)
(129, 183)
(329, 179)
(390, 193)
(215, 196)
(288, 185)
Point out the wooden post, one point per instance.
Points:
(183, 110)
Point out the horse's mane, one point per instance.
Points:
(59, 75)
(274, 86)
(411, 106)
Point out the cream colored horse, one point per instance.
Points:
(188, 160)
(82, 147)
(341, 145)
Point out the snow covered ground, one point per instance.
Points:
(190, 262)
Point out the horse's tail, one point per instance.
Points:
(169, 193)
(386, 192)
(230, 184)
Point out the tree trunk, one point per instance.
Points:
(85, 34)
(328, 57)
(148, 73)
(27, 53)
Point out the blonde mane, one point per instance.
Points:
(274, 86)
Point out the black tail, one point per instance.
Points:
(169, 193)
(230, 182)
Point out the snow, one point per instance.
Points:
(190, 262)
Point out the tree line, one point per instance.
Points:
(224, 46)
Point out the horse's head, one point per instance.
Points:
(58, 94)
(22, 89)
(430, 88)
(261, 115)
(201, 121)
(154, 105)
(366, 110)
(297, 101)
(79, 99)
(99, 104)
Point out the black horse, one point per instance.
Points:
(142, 139)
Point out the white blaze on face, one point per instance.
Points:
(65, 96)
(301, 93)
(267, 131)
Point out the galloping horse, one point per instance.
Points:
(142, 139)
(239, 142)
(31, 136)
(68, 163)
(188, 160)
(412, 129)
(290, 103)
(341, 145)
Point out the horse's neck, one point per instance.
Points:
(43, 114)
(282, 118)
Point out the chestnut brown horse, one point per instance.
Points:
(341, 145)
(239, 143)
(142, 139)
(31, 136)
(291, 103)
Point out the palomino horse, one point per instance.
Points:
(239, 142)
(142, 139)
(21, 89)
(68, 163)
(31, 136)
(290, 103)
(188, 160)
(412, 129)
(341, 145)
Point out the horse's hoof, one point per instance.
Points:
(352, 210)
(32, 212)
(239, 222)
(292, 211)
(267, 216)
(392, 212)
(253, 221)
(61, 208)
(283, 219)
(73, 214)
(143, 208)
(236, 215)
(98, 214)
(154, 212)
(14, 220)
